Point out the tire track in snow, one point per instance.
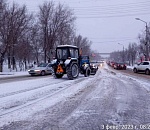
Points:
(30, 89)
(60, 110)
(26, 90)
(94, 108)
(132, 101)
(126, 103)
(56, 91)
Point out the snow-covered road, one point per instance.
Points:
(107, 100)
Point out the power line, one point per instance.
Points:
(113, 9)
(117, 12)
(123, 10)
(114, 41)
(123, 38)
(114, 6)
(121, 15)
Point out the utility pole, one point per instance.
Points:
(146, 40)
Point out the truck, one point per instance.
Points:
(68, 60)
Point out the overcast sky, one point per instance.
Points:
(105, 22)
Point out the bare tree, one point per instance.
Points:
(142, 43)
(26, 40)
(14, 25)
(56, 25)
(3, 40)
(132, 52)
(116, 56)
(64, 24)
(144, 39)
(45, 20)
(36, 43)
(83, 43)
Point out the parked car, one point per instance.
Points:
(41, 69)
(112, 63)
(142, 67)
(119, 65)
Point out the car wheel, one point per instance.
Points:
(147, 71)
(43, 73)
(135, 70)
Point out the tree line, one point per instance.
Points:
(26, 37)
(136, 52)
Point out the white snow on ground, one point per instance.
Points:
(16, 96)
(9, 72)
(46, 89)
(12, 74)
(130, 67)
(142, 83)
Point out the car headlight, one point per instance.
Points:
(37, 70)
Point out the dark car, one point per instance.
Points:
(93, 68)
(120, 66)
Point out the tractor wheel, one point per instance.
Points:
(87, 72)
(72, 71)
(58, 75)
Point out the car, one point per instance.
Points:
(142, 67)
(112, 63)
(120, 65)
(93, 68)
(41, 69)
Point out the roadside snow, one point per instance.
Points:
(143, 83)
(130, 67)
(12, 74)
(9, 72)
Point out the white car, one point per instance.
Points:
(142, 67)
(41, 69)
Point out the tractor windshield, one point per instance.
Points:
(62, 53)
(74, 53)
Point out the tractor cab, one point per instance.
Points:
(64, 52)
(84, 60)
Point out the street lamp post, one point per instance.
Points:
(123, 52)
(146, 39)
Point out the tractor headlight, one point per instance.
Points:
(61, 62)
(85, 66)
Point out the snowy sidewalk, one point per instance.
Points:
(12, 74)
